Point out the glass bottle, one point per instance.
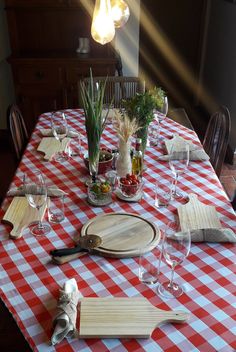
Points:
(137, 159)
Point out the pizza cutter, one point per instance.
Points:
(85, 244)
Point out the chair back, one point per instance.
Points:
(18, 131)
(217, 137)
(233, 201)
(118, 88)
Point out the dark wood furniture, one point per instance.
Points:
(46, 68)
(8, 164)
(118, 88)
(179, 115)
(217, 137)
(18, 130)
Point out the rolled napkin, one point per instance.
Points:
(195, 152)
(203, 222)
(52, 191)
(64, 322)
(47, 132)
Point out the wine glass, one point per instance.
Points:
(36, 194)
(60, 131)
(175, 248)
(178, 161)
(161, 113)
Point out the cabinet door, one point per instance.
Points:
(35, 101)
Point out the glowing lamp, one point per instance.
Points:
(102, 29)
(120, 12)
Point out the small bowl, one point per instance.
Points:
(130, 191)
(96, 196)
(103, 166)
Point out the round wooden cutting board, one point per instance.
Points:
(122, 234)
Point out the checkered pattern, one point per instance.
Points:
(29, 282)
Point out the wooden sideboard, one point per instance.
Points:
(45, 66)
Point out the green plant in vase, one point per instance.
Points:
(141, 107)
(92, 96)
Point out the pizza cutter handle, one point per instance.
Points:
(67, 258)
(67, 251)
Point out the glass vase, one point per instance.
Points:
(93, 165)
(143, 134)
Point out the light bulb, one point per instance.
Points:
(103, 29)
(120, 12)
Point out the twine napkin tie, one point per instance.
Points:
(64, 322)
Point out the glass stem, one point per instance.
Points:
(40, 225)
(172, 276)
(175, 185)
(61, 140)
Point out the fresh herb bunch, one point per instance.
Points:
(158, 96)
(141, 106)
(92, 100)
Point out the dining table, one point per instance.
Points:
(30, 281)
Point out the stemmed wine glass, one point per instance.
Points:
(161, 113)
(60, 131)
(178, 161)
(175, 248)
(36, 194)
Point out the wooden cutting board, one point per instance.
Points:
(195, 215)
(50, 146)
(122, 234)
(20, 214)
(123, 317)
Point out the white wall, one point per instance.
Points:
(6, 82)
(127, 40)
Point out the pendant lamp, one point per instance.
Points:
(102, 29)
(120, 12)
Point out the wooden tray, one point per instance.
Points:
(122, 234)
(20, 214)
(50, 146)
(195, 215)
(123, 317)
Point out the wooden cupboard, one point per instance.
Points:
(46, 68)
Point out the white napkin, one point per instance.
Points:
(213, 235)
(195, 152)
(65, 320)
(47, 132)
(52, 191)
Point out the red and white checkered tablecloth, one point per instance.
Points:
(29, 281)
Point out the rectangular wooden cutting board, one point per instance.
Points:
(20, 214)
(123, 317)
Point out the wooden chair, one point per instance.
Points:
(118, 88)
(18, 131)
(217, 137)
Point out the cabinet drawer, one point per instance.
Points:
(39, 74)
(74, 74)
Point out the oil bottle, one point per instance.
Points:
(137, 159)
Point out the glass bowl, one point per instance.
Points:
(99, 193)
(130, 189)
